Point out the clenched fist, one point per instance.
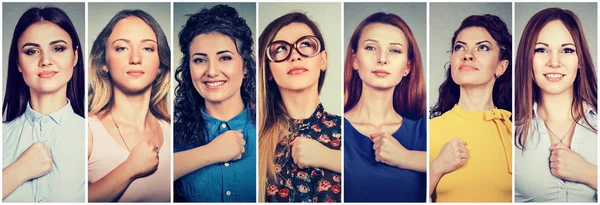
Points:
(143, 158)
(230, 145)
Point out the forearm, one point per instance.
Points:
(112, 186)
(11, 180)
(414, 160)
(192, 160)
(434, 178)
(590, 176)
(331, 160)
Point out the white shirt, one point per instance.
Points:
(533, 180)
(63, 133)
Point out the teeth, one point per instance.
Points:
(554, 75)
(213, 84)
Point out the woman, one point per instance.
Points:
(556, 108)
(215, 129)
(299, 142)
(385, 120)
(129, 131)
(43, 108)
(471, 155)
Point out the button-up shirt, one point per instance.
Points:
(233, 181)
(63, 133)
(533, 180)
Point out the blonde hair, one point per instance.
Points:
(100, 94)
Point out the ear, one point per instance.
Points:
(76, 56)
(323, 60)
(408, 68)
(19, 67)
(104, 69)
(354, 61)
(502, 66)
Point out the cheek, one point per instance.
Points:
(278, 69)
(28, 64)
(196, 71)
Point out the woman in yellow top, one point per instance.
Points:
(471, 155)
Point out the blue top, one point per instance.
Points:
(227, 182)
(63, 133)
(367, 180)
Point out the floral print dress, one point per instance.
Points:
(310, 184)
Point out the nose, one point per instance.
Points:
(294, 55)
(44, 60)
(382, 59)
(468, 57)
(135, 58)
(553, 62)
(212, 70)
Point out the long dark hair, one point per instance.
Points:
(502, 91)
(409, 94)
(584, 87)
(17, 91)
(100, 95)
(190, 127)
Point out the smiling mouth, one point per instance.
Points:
(554, 77)
(47, 74)
(215, 84)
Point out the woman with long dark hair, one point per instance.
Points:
(471, 129)
(556, 108)
(215, 109)
(43, 107)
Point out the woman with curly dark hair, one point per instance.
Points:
(470, 141)
(215, 128)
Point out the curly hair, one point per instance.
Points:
(502, 91)
(190, 127)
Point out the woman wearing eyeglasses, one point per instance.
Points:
(299, 142)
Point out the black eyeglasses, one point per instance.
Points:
(307, 46)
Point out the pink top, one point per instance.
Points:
(107, 155)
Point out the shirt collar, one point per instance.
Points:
(236, 123)
(314, 118)
(587, 109)
(58, 116)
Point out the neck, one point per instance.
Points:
(476, 98)
(300, 104)
(132, 109)
(47, 103)
(226, 109)
(375, 106)
(556, 107)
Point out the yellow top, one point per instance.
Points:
(487, 175)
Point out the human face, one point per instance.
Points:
(555, 61)
(132, 55)
(46, 58)
(297, 72)
(216, 67)
(381, 57)
(476, 58)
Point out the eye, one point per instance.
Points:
(568, 50)
(120, 48)
(31, 52)
(458, 48)
(281, 49)
(149, 49)
(393, 50)
(59, 49)
(305, 44)
(483, 48)
(370, 48)
(199, 60)
(540, 50)
(225, 58)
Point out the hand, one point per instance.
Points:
(566, 164)
(143, 158)
(454, 155)
(35, 161)
(229, 145)
(307, 152)
(388, 150)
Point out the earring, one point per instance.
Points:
(496, 75)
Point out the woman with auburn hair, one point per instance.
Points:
(299, 141)
(556, 108)
(129, 147)
(471, 130)
(43, 134)
(385, 119)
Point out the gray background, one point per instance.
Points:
(11, 12)
(586, 12)
(180, 15)
(327, 16)
(414, 14)
(444, 19)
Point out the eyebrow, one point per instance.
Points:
(218, 53)
(378, 42)
(480, 42)
(563, 45)
(128, 41)
(38, 45)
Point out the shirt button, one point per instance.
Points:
(40, 200)
(228, 193)
(226, 164)
(223, 125)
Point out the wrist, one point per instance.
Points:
(589, 175)
(402, 158)
(434, 169)
(128, 169)
(14, 170)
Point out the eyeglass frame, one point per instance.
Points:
(294, 46)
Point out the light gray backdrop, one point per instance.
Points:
(327, 16)
(444, 19)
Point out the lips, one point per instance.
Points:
(215, 84)
(380, 73)
(467, 68)
(135, 73)
(297, 70)
(47, 74)
(554, 77)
